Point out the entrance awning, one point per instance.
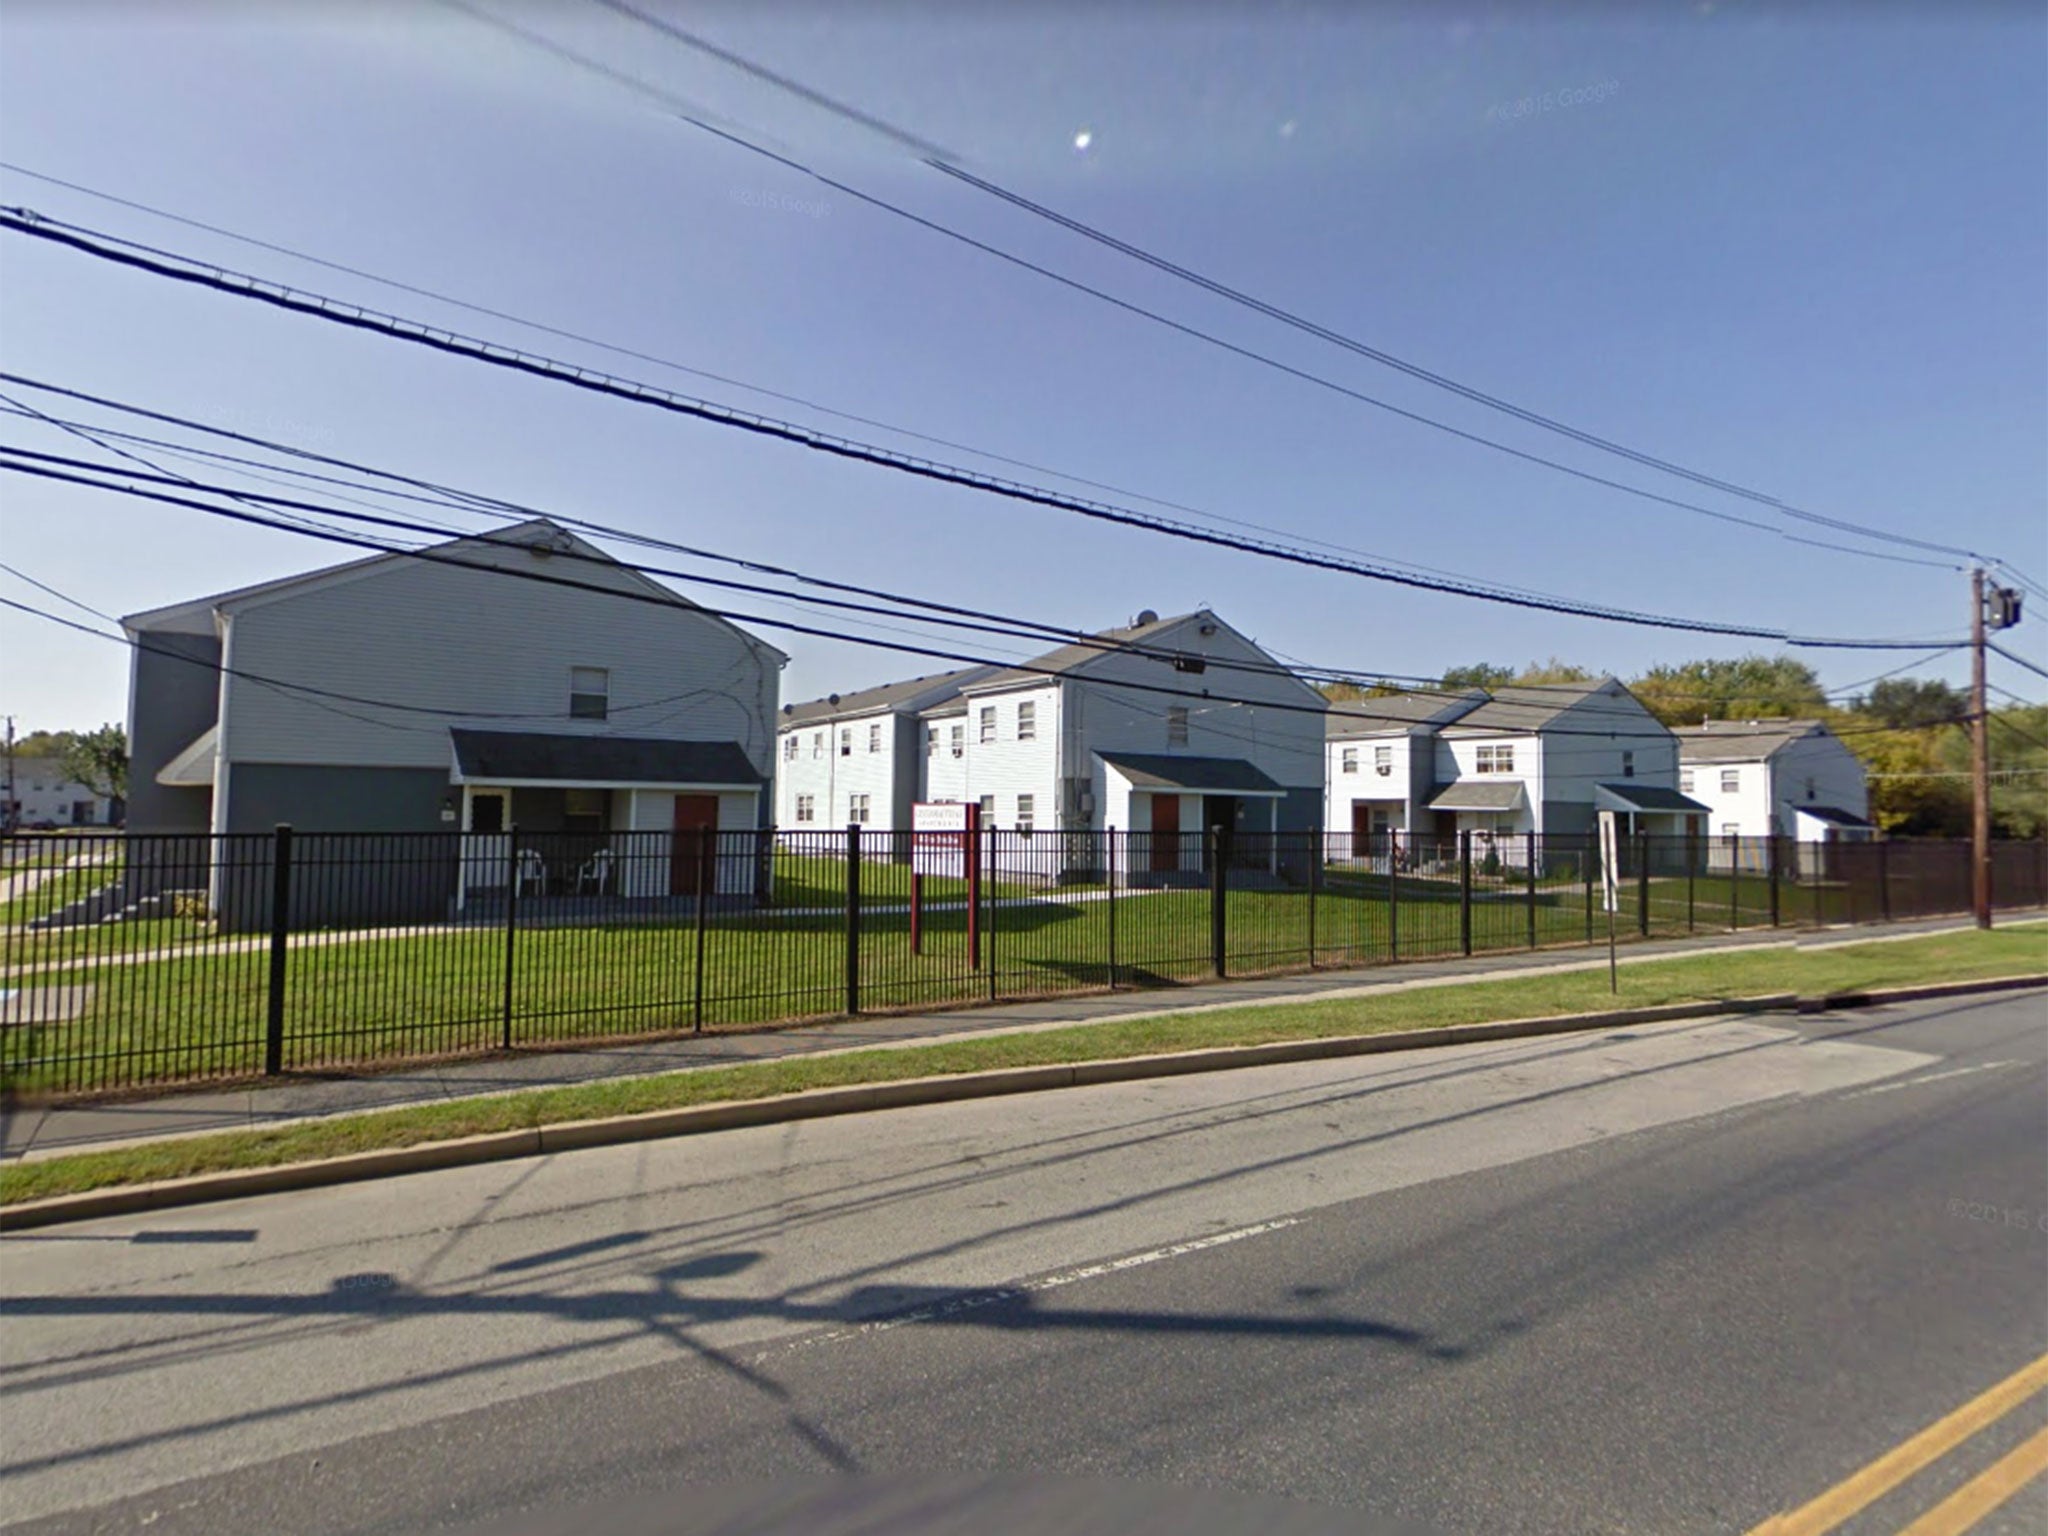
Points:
(534, 758)
(1651, 799)
(1468, 796)
(193, 767)
(1192, 775)
(1835, 816)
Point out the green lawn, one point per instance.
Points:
(1856, 967)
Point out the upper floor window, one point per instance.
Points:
(846, 741)
(959, 740)
(1177, 725)
(931, 741)
(988, 722)
(1628, 765)
(1351, 759)
(590, 692)
(1027, 721)
(817, 743)
(789, 749)
(1383, 760)
(1025, 813)
(1499, 759)
(875, 737)
(1731, 780)
(1685, 781)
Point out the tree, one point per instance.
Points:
(98, 760)
(1905, 702)
(1553, 671)
(1478, 675)
(1747, 688)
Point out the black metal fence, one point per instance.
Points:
(133, 962)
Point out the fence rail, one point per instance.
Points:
(134, 962)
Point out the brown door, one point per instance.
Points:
(691, 855)
(1165, 832)
(1361, 828)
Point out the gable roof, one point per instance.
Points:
(1065, 658)
(910, 696)
(1215, 775)
(1528, 707)
(1394, 713)
(1741, 741)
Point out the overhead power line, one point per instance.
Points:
(2016, 659)
(185, 270)
(690, 115)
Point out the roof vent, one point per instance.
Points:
(1145, 616)
(831, 698)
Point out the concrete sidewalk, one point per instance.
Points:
(43, 1131)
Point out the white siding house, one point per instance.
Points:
(46, 796)
(1776, 778)
(859, 757)
(521, 679)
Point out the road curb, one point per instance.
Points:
(904, 1092)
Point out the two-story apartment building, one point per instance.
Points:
(859, 757)
(1522, 759)
(517, 680)
(46, 796)
(1776, 778)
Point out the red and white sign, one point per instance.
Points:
(938, 838)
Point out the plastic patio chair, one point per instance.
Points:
(533, 870)
(596, 872)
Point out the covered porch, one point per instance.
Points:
(1497, 815)
(609, 820)
(1173, 806)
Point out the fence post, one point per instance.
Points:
(1531, 836)
(280, 935)
(511, 929)
(853, 917)
(1884, 881)
(1465, 891)
(1109, 868)
(1692, 862)
(1592, 857)
(1734, 882)
(988, 882)
(1394, 896)
(1643, 884)
(1315, 880)
(703, 903)
(1771, 861)
(1219, 885)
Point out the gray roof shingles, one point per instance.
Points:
(486, 755)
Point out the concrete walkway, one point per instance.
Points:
(43, 1131)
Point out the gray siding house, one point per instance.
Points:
(441, 692)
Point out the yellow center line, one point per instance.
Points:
(1986, 1491)
(1873, 1482)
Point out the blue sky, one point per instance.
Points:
(1806, 250)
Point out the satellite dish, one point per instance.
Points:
(1147, 616)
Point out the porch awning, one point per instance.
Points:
(1466, 795)
(1192, 775)
(193, 767)
(1651, 798)
(599, 762)
(1833, 815)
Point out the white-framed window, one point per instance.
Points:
(789, 749)
(846, 741)
(1628, 765)
(988, 810)
(1382, 761)
(1350, 760)
(1499, 759)
(806, 807)
(590, 692)
(988, 722)
(1025, 813)
(817, 743)
(1685, 781)
(958, 740)
(1177, 725)
(931, 741)
(1731, 780)
(875, 736)
(1027, 721)
(857, 808)
(1731, 828)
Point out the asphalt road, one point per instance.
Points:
(1663, 1279)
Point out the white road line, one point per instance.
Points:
(1931, 1077)
(972, 1301)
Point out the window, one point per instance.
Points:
(1027, 722)
(1685, 781)
(1024, 814)
(846, 741)
(959, 740)
(789, 749)
(857, 808)
(875, 737)
(1731, 780)
(590, 691)
(1351, 759)
(583, 810)
(1177, 725)
(931, 741)
(1628, 765)
(1731, 828)
(817, 743)
(806, 807)
(1494, 760)
(988, 722)
(988, 810)
(1383, 760)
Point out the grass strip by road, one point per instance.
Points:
(1836, 970)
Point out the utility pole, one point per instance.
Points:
(1980, 762)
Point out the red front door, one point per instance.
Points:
(1165, 832)
(691, 855)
